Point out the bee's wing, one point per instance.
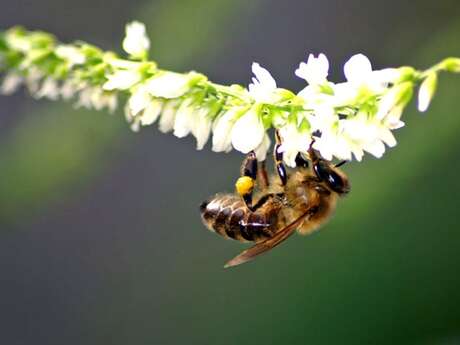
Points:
(266, 245)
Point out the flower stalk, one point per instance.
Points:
(341, 120)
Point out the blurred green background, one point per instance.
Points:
(101, 240)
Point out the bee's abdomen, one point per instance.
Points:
(228, 216)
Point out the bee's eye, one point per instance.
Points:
(334, 180)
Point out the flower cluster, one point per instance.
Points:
(339, 120)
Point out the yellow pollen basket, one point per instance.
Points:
(244, 185)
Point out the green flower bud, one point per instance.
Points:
(451, 65)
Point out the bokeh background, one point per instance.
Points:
(101, 240)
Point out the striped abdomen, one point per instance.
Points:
(228, 216)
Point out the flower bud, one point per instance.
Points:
(136, 43)
(426, 91)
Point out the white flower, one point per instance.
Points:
(392, 120)
(368, 133)
(72, 54)
(169, 85)
(100, 99)
(122, 80)
(93, 97)
(396, 97)
(111, 101)
(201, 127)
(315, 71)
(49, 89)
(248, 131)
(134, 121)
(358, 71)
(331, 142)
(34, 75)
(362, 81)
(293, 141)
(141, 108)
(184, 118)
(263, 86)
(261, 150)
(426, 92)
(168, 115)
(323, 118)
(222, 129)
(11, 83)
(136, 43)
(151, 112)
(69, 88)
(139, 100)
(319, 91)
(84, 98)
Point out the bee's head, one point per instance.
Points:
(331, 175)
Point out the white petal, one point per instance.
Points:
(168, 116)
(11, 83)
(263, 87)
(84, 98)
(169, 85)
(151, 112)
(201, 128)
(49, 89)
(342, 149)
(97, 99)
(293, 141)
(344, 94)
(222, 130)
(136, 124)
(386, 75)
(387, 137)
(357, 68)
(248, 132)
(136, 43)
(324, 147)
(358, 153)
(375, 148)
(121, 80)
(184, 118)
(111, 102)
(261, 150)
(426, 92)
(139, 100)
(323, 119)
(68, 89)
(264, 76)
(128, 116)
(387, 103)
(315, 71)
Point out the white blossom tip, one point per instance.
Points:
(426, 92)
(315, 71)
(263, 87)
(136, 43)
(357, 68)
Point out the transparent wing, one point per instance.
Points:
(266, 245)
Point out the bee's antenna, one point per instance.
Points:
(338, 165)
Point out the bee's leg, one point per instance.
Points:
(278, 159)
(246, 183)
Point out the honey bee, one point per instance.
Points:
(302, 200)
